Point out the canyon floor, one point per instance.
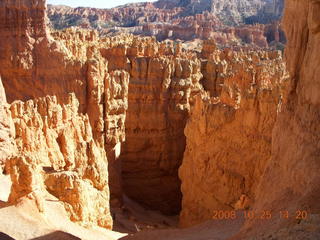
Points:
(24, 221)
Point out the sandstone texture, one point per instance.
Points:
(229, 136)
(156, 82)
(36, 64)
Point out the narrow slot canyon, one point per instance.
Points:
(154, 146)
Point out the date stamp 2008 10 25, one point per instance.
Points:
(263, 215)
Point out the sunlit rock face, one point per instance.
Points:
(36, 63)
(174, 129)
(7, 131)
(57, 153)
(49, 132)
(294, 163)
(229, 136)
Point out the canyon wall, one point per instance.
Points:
(229, 137)
(36, 64)
(254, 11)
(211, 111)
(294, 165)
(232, 12)
(163, 80)
(98, 70)
(49, 148)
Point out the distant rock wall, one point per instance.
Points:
(183, 20)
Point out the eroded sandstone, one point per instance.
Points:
(294, 163)
(36, 63)
(212, 110)
(57, 153)
(229, 136)
(162, 85)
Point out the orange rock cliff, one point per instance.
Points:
(294, 164)
(91, 119)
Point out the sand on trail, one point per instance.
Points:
(24, 221)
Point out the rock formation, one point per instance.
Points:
(229, 137)
(231, 12)
(158, 103)
(7, 132)
(161, 87)
(98, 70)
(35, 65)
(184, 20)
(57, 152)
(85, 108)
(294, 164)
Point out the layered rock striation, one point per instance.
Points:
(135, 14)
(163, 80)
(36, 64)
(48, 135)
